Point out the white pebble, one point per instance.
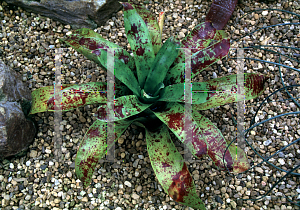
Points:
(268, 142)
(28, 163)
(214, 75)
(264, 13)
(11, 165)
(51, 163)
(48, 151)
(127, 183)
(281, 161)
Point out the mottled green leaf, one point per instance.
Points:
(124, 107)
(93, 147)
(235, 158)
(151, 23)
(201, 37)
(73, 96)
(206, 139)
(170, 169)
(224, 90)
(163, 60)
(85, 41)
(122, 72)
(205, 58)
(140, 42)
(200, 60)
(220, 12)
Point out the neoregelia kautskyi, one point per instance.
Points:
(149, 90)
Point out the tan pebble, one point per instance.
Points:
(85, 199)
(120, 140)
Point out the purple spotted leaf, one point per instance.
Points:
(170, 168)
(225, 89)
(200, 60)
(217, 92)
(220, 12)
(201, 37)
(85, 41)
(151, 23)
(235, 158)
(124, 107)
(93, 147)
(73, 96)
(205, 139)
(140, 42)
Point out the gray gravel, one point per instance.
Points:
(37, 180)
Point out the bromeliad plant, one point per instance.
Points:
(149, 91)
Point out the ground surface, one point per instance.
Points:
(38, 181)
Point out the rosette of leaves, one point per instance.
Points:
(149, 91)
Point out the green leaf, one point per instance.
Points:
(85, 41)
(163, 60)
(224, 90)
(140, 42)
(122, 72)
(170, 169)
(220, 12)
(73, 96)
(151, 23)
(93, 147)
(175, 93)
(175, 75)
(124, 107)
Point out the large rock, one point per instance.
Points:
(77, 13)
(16, 132)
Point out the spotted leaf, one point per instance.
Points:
(85, 41)
(93, 147)
(225, 90)
(235, 158)
(151, 23)
(205, 139)
(72, 96)
(170, 169)
(200, 60)
(201, 37)
(124, 107)
(121, 71)
(140, 42)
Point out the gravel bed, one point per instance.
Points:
(39, 181)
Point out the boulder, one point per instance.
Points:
(77, 13)
(16, 131)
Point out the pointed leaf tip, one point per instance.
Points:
(126, 6)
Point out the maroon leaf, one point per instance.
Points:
(220, 12)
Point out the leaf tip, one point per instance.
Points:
(126, 6)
